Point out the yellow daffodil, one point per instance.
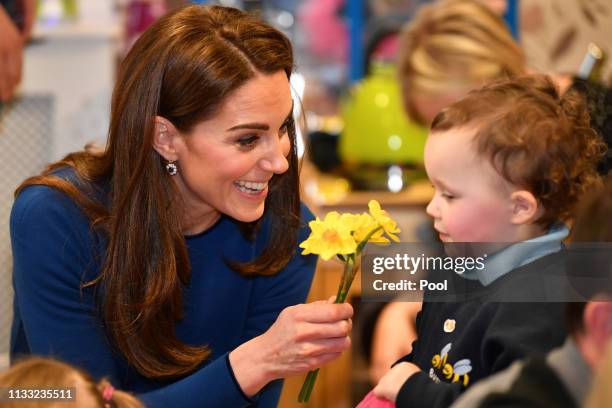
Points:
(363, 224)
(329, 237)
(346, 235)
(385, 221)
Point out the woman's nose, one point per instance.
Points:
(275, 159)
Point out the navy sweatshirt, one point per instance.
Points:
(460, 343)
(53, 253)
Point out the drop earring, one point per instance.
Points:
(171, 168)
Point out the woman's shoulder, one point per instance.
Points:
(40, 204)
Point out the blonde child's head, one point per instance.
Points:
(46, 374)
(509, 160)
(449, 48)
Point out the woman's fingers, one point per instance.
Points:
(323, 312)
(307, 352)
(325, 330)
(321, 360)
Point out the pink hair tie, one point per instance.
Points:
(107, 394)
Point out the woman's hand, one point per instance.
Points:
(302, 338)
(391, 383)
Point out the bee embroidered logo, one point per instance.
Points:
(457, 372)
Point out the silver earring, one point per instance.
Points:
(171, 168)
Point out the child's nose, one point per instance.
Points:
(432, 208)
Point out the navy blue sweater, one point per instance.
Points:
(460, 343)
(53, 253)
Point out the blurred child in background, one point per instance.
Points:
(46, 374)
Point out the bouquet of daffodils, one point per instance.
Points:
(345, 236)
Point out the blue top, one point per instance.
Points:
(53, 254)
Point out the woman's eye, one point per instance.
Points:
(247, 141)
(284, 129)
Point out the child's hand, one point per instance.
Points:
(389, 385)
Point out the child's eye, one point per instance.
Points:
(247, 141)
(447, 196)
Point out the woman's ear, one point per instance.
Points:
(164, 138)
(525, 208)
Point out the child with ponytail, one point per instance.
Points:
(43, 375)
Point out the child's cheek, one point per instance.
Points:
(467, 223)
(479, 223)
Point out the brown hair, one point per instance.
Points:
(533, 137)
(181, 68)
(44, 373)
(454, 44)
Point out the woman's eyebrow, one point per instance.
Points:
(258, 126)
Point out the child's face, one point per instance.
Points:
(472, 201)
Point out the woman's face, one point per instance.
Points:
(226, 162)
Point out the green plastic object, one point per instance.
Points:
(376, 129)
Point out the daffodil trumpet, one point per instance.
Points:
(345, 236)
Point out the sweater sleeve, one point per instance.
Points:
(419, 391)
(215, 385)
(274, 293)
(53, 253)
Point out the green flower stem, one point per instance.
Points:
(366, 239)
(343, 289)
(348, 276)
(308, 386)
(345, 284)
(347, 266)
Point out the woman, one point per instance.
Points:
(169, 262)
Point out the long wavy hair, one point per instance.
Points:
(182, 68)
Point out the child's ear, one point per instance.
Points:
(525, 207)
(164, 138)
(597, 320)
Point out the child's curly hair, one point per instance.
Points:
(534, 137)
